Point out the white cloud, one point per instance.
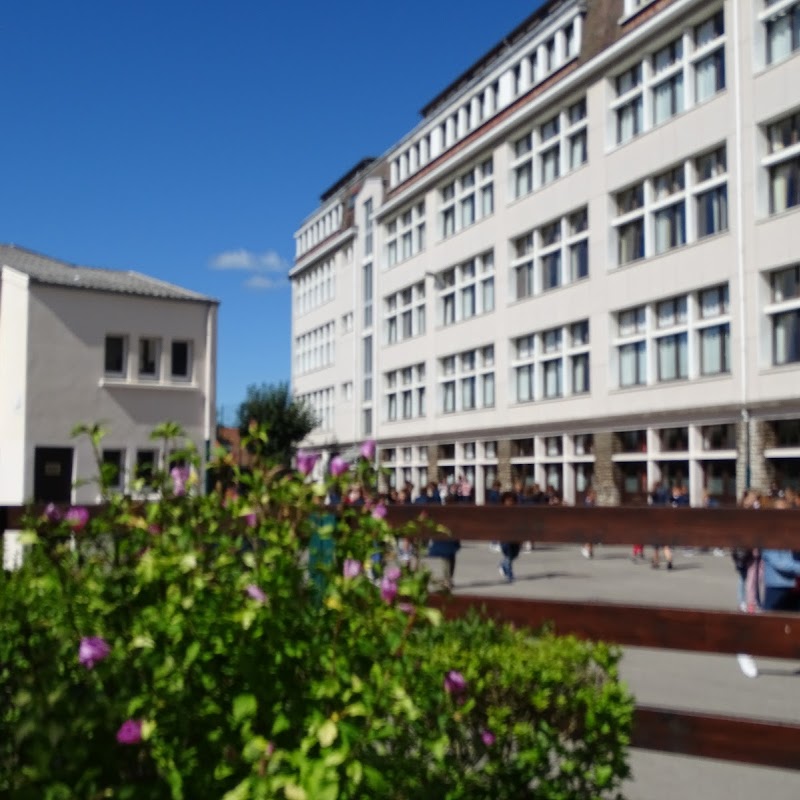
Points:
(268, 270)
(265, 283)
(247, 260)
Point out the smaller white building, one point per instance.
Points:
(97, 346)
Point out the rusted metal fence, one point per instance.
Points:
(729, 738)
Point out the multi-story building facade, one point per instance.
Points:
(579, 268)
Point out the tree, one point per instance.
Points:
(287, 419)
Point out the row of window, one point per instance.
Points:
(674, 339)
(322, 228)
(543, 57)
(315, 349)
(314, 287)
(150, 356)
(322, 403)
(682, 204)
(688, 70)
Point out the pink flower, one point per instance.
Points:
(92, 650)
(250, 519)
(379, 512)
(406, 608)
(393, 573)
(77, 517)
(338, 466)
(388, 590)
(52, 513)
(352, 568)
(179, 477)
(488, 738)
(306, 462)
(455, 682)
(130, 732)
(368, 449)
(154, 530)
(256, 593)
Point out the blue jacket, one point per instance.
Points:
(781, 568)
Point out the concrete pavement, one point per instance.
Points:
(666, 678)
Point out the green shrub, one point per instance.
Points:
(194, 648)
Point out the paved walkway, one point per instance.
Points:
(668, 678)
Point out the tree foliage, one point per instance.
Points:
(286, 419)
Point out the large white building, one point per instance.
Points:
(581, 267)
(83, 345)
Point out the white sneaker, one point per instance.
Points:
(747, 665)
(718, 552)
(585, 552)
(527, 547)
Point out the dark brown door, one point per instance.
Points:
(52, 475)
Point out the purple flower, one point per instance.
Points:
(379, 512)
(52, 513)
(352, 568)
(179, 477)
(256, 593)
(92, 650)
(392, 573)
(77, 517)
(488, 738)
(250, 519)
(406, 608)
(368, 449)
(154, 530)
(388, 590)
(305, 462)
(130, 732)
(338, 466)
(455, 682)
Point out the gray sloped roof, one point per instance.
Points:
(51, 271)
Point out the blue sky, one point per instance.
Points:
(176, 137)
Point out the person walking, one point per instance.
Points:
(510, 550)
(587, 551)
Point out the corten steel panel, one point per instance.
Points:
(696, 527)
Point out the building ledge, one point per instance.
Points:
(122, 383)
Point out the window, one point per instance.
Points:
(180, 360)
(689, 197)
(116, 355)
(368, 225)
(554, 255)
(543, 356)
(782, 28)
(404, 314)
(662, 77)
(632, 355)
(783, 163)
(466, 380)
(630, 225)
(347, 391)
(347, 322)
(668, 93)
(467, 199)
(673, 357)
(149, 356)
(405, 234)
(467, 289)
(113, 468)
(632, 364)
(715, 350)
(146, 465)
(711, 193)
(785, 322)
(555, 146)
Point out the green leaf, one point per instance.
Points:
(244, 707)
(327, 733)
(241, 792)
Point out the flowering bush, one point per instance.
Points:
(199, 647)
